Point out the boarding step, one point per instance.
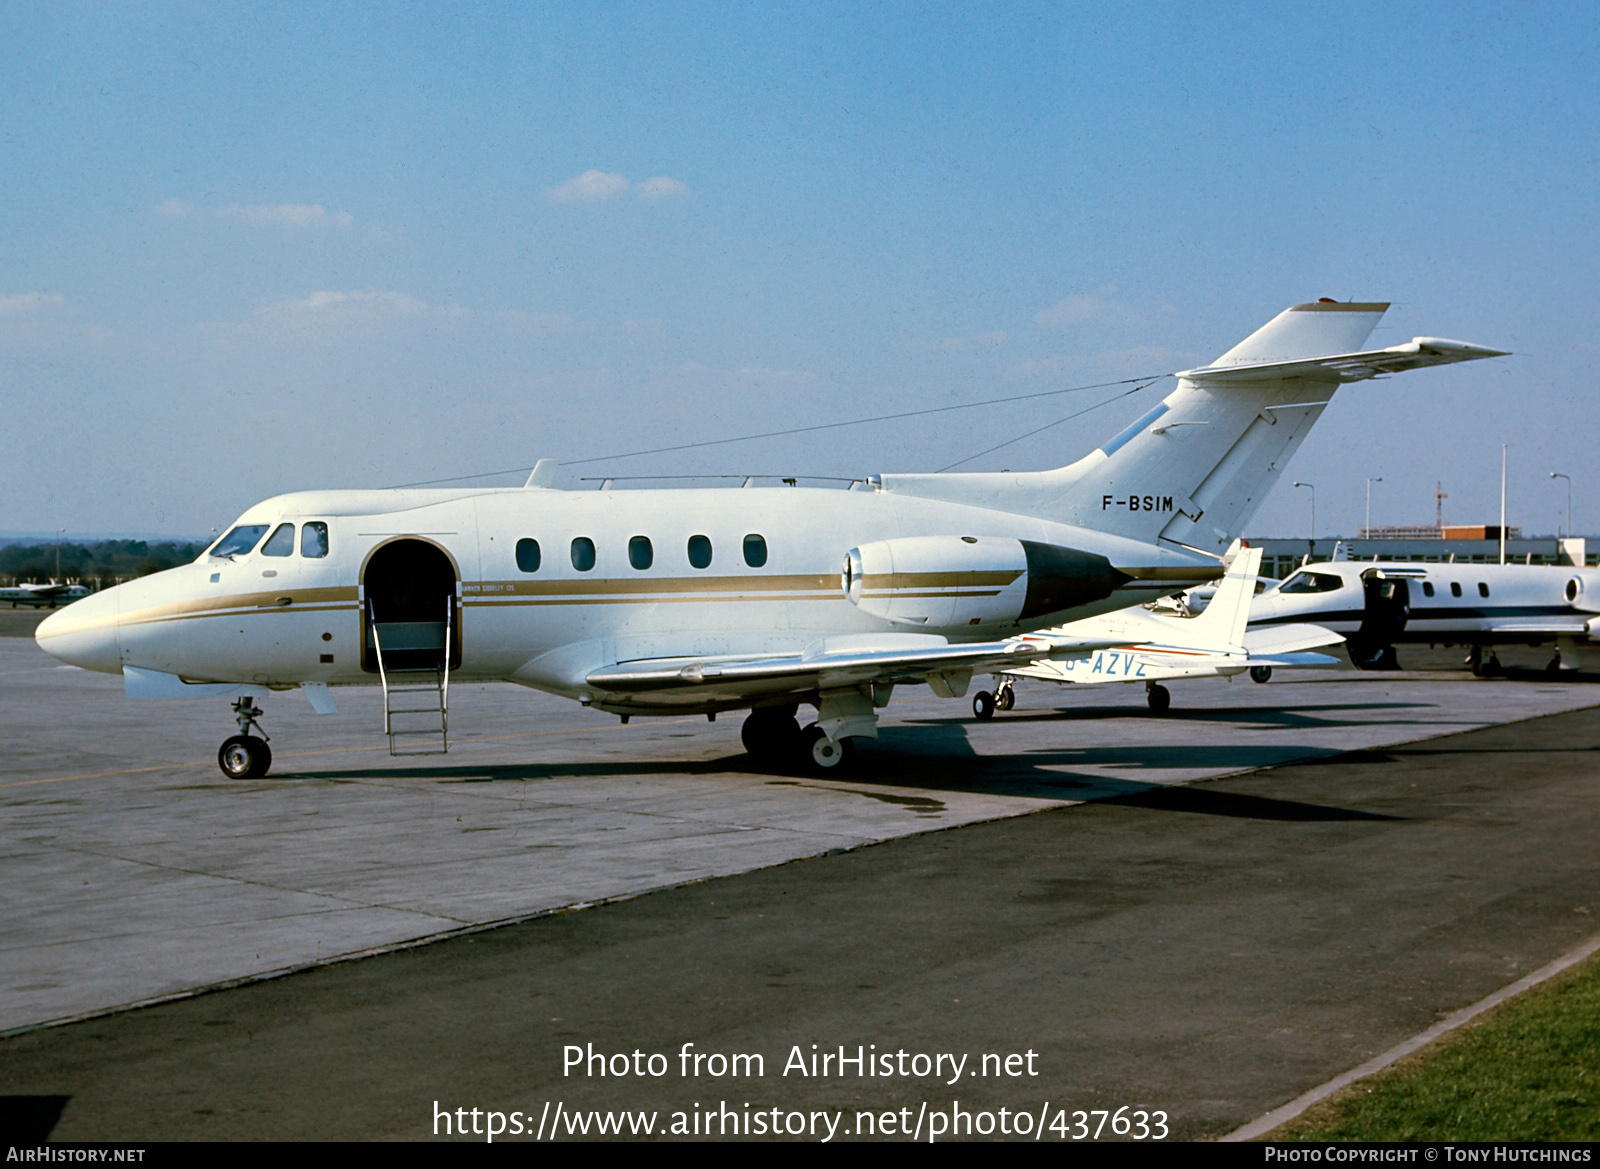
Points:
(422, 725)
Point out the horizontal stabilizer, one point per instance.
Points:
(1301, 661)
(1417, 353)
(1284, 639)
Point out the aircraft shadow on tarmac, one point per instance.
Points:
(936, 757)
(1301, 715)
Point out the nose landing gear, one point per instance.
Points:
(245, 756)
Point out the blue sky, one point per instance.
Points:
(247, 249)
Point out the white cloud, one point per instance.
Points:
(1069, 310)
(588, 187)
(173, 208)
(286, 215)
(384, 302)
(29, 302)
(993, 338)
(660, 187)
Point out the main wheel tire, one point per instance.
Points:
(983, 705)
(1260, 673)
(770, 734)
(1005, 698)
(244, 757)
(1159, 698)
(1492, 667)
(823, 754)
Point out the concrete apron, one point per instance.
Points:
(133, 871)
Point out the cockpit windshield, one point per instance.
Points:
(239, 541)
(1312, 582)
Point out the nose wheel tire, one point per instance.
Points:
(822, 753)
(983, 705)
(244, 757)
(1159, 698)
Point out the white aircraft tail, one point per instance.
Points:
(1193, 470)
(1222, 624)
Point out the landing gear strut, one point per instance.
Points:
(245, 756)
(1481, 666)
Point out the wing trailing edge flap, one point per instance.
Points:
(834, 662)
(1418, 353)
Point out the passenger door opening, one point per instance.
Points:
(412, 595)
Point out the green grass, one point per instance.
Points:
(1529, 1070)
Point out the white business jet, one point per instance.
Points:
(674, 601)
(51, 594)
(1379, 605)
(1152, 648)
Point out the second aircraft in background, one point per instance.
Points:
(1160, 648)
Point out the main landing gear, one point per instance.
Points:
(1158, 696)
(985, 704)
(773, 737)
(1481, 666)
(245, 756)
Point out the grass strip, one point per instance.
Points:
(1529, 1070)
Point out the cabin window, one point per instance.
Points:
(1455, 588)
(528, 555)
(640, 554)
(314, 540)
(240, 540)
(700, 551)
(1483, 589)
(1427, 588)
(1312, 582)
(280, 543)
(755, 550)
(583, 554)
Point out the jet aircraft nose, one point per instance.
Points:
(85, 633)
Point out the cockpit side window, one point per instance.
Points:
(1312, 582)
(314, 540)
(280, 543)
(239, 541)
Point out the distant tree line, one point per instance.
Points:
(99, 565)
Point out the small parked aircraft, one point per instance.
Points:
(51, 594)
(640, 602)
(1378, 605)
(1154, 648)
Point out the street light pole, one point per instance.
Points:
(59, 533)
(1312, 543)
(1568, 478)
(1370, 482)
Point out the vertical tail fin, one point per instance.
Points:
(1225, 618)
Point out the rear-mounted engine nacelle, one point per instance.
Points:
(944, 582)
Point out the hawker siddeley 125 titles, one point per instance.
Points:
(665, 602)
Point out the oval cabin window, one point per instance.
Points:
(755, 550)
(583, 554)
(640, 554)
(700, 551)
(528, 555)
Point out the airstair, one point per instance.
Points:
(414, 668)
